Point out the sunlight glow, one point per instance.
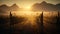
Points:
(26, 13)
(27, 8)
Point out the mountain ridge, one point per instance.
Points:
(44, 6)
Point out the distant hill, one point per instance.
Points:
(58, 6)
(14, 7)
(44, 6)
(5, 9)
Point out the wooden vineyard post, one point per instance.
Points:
(58, 18)
(11, 28)
(58, 24)
(42, 27)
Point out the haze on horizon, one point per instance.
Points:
(26, 3)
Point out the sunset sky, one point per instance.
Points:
(26, 3)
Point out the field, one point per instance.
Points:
(31, 24)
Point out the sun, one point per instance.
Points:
(27, 7)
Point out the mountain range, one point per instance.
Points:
(44, 6)
(5, 9)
